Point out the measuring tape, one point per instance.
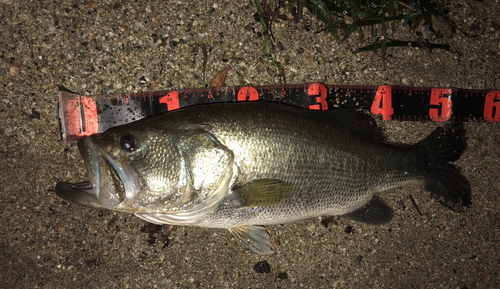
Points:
(82, 116)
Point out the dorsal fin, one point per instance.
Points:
(366, 123)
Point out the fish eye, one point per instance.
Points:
(129, 141)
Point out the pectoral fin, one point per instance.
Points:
(254, 238)
(265, 192)
(376, 212)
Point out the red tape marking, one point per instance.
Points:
(171, 99)
(440, 97)
(320, 90)
(382, 104)
(492, 106)
(248, 93)
(86, 107)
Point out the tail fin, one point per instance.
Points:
(444, 179)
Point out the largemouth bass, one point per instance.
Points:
(242, 166)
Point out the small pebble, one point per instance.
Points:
(281, 276)
(262, 267)
(14, 71)
(35, 114)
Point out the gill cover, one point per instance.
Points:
(206, 175)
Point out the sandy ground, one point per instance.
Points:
(119, 46)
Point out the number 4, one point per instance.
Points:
(382, 104)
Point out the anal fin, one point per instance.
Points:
(376, 212)
(254, 238)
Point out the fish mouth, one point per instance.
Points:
(110, 182)
(82, 193)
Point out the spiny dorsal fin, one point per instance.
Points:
(262, 193)
(366, 124)
(254, 238)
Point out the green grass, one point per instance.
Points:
(344, 18)
(267, 36)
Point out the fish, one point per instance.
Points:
(242, 166)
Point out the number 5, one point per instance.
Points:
(441, 96)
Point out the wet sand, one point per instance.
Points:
(106, 47)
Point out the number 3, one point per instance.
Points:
(320, 90)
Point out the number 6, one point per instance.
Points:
(492, 107)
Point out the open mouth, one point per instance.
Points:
(82, 193)
(108, 180)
